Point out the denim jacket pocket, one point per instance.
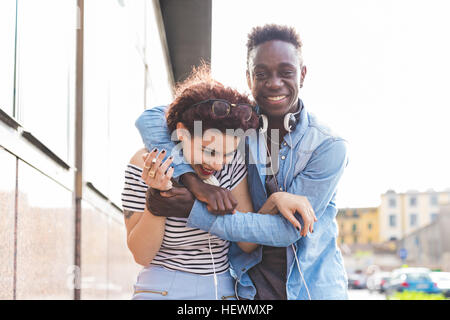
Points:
(301, 160)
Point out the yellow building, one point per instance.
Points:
(358, 226)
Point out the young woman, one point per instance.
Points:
(180, 262)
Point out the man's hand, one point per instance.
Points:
(177, 202)
(218, 200)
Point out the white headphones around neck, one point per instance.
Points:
(290, 120)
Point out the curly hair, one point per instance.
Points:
(200, 86)
(270, 32)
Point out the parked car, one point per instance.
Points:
(378, 282)
(442, 280)
(356, 281)
(411, 279)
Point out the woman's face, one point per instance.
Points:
(207, 153)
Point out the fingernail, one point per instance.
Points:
(154, 150)
(164, 151)
(171, 157)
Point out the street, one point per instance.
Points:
(364, 294)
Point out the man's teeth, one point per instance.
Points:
(276, 98)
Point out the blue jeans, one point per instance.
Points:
(159, 283)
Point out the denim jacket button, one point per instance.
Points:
(283, 157)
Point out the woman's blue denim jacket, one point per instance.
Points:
(311, 162)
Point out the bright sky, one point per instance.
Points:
(378, 74)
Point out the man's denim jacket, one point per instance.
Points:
(318, 161)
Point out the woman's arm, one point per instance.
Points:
(242, 195)
(145, 231)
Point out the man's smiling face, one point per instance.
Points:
(274, 76)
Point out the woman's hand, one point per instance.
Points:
(288, 204)
(161, 172)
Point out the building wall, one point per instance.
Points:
(388, 231)
(410, 210)
(429, 246)
(126, 69)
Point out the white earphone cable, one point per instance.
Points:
(214, 267)
(236, 289)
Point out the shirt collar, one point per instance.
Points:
(294, 137)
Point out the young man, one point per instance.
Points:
(311, 163)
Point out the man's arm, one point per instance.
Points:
(318, 182)
(153, 128)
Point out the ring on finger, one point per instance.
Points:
(152, 174)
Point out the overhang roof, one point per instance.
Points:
(188, 25)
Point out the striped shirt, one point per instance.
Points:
(183, 248)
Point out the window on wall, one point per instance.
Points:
(413, 201)
(118, 46)
(433, 200)
(413, 219)
(392, 202)
(7, 53)
(369, 226)
(159, 78)
(354, 227)
(392, 220)
(114, 90)
(433, 216)
(46, 39)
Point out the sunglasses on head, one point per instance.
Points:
(222, 108)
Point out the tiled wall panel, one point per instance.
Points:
(122, 269)
(45, 237)
(7, 196)
(94, 255)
